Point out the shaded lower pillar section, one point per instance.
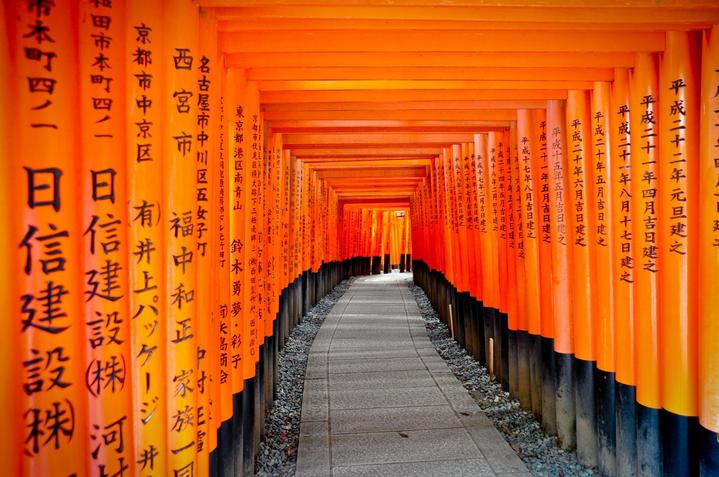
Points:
(239, 437)
(588, 410)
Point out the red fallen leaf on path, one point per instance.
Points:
(402, 434)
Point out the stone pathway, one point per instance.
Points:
(378, 399)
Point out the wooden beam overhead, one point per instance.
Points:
(368, 176)
(300, 41)
(369, 188)
(384, 174)
(430, 73)
(378, 164)
(378, 128)
(373, 196)
(408, 95)
(519, 11)
(360, 152)
(431, 58)
(323, 161)
(693, 22)
(386, 202)
(426, 117)
(401, 107)
(371, 184)
(362, 184)
(391, 85)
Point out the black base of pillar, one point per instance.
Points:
(586, 420)
(564, 380)
(679, 449)
(626, 425)
(513, 364)
(549, 400)
(239, 424)
(248, 424)
(523, 374)
(376, 265)
(535, 374)
(605, 402)
(708, 445)
(649, 443)
(503, 323)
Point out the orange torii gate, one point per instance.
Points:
(183, 180)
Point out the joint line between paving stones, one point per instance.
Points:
(456, 413)
(327, 378)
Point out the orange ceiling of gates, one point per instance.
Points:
(367, 93)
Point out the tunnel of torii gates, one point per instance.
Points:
(182, 180)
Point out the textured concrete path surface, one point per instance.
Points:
(378, 399)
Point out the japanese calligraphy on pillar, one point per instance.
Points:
(527, 149)
(460, 197)
(286, 192)
(107, 327)
(468, 177)
(517, 186)
(622, 241)
(233, 334)
(222, 262)
(482, 189)
(180, 222)
(600, 235)
(557, 172)
(600, 178)
(546, 231)
(254, 254)
(541, 180)
(525, 159)
(496, 149)
(677, 190)
(644, 185)
(678, 221)
(511, 235)
(499, 142)
(715, 112)
(204, 84)
(576, 138)
(144, 166)
(203, 178)
(647, 165)
(48, 295)
(623, 183)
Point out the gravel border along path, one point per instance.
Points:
(538, 450)
(278, 450)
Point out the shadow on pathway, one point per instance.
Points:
(378, 399)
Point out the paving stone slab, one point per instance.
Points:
(409, 446)
(495, 449)
(313, 453)
(354, 354)
(315, 401)
(352, 421)
(385, 397)
(444, 468)
(413, 378)
(376, 364)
